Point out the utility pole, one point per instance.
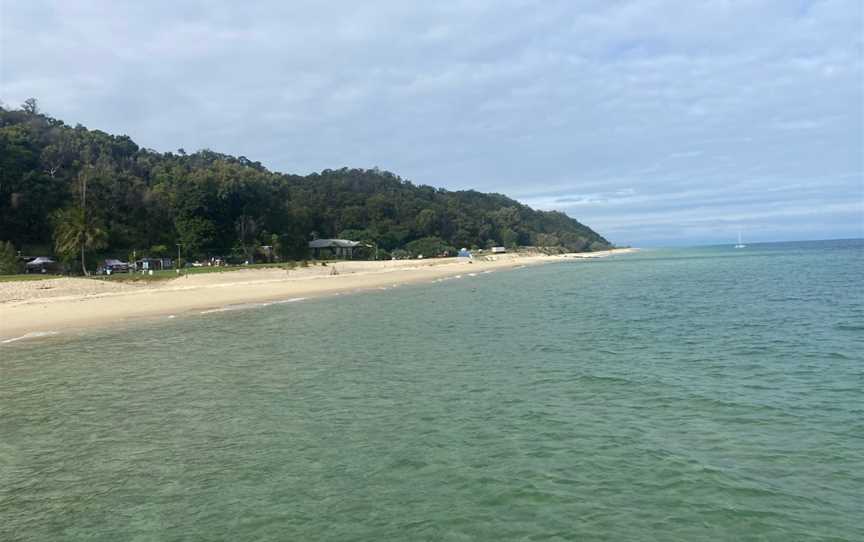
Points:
(178, 257)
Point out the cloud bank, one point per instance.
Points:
(656, 122)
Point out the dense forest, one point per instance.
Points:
(71, 191)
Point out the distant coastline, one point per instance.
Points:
(63, 304)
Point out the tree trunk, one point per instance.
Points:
(83, 265)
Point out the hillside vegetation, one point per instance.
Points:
(74, 191)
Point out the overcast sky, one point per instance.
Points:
(656, 122)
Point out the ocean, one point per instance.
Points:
(696, 394)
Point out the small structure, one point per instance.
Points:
(154, 264)
(42, 264)
(498, 250)
(333, 248)
(464, 253)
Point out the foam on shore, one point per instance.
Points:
(31, 335)
(244, 306)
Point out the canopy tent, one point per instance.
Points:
(40, 261)
(338, 248)
(42, 264)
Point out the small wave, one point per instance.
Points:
(291, 300)
(838, 355)
(211, 311)
(31, 335)
(244, 306)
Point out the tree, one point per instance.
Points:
(76, 231)
(8, 259)
(195, 233)
(509, 238)
(428, 247)
(427, 222)
(30, 106)
(277, 249)
(159, 251)
(247, 229)
(547, 240)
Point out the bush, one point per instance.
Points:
(429, 247)
(8, 259)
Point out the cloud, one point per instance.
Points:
(675, 101)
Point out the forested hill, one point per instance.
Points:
(214, 204)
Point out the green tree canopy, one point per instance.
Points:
(212, 203)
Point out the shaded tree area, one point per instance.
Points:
(215, 204)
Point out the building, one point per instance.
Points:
(323, 249)
(498, 250)
(154, 264)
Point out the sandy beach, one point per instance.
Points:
(34, 308)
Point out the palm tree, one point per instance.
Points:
(75, 230)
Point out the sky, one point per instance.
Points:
(656, 122)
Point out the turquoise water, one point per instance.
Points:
(699, 394)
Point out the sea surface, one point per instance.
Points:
(692, 394)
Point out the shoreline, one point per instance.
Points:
(35, 309)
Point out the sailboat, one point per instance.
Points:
(740, 244)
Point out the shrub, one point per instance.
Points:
(8, 259)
